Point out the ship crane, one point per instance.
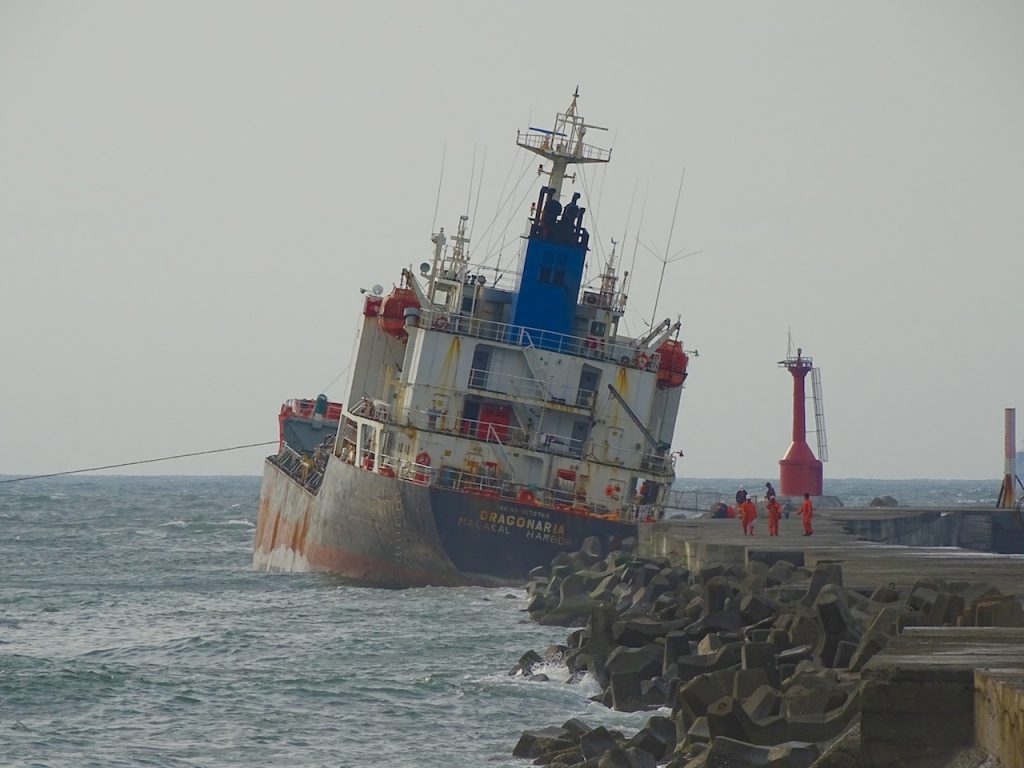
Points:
(658, 445)
(659, 333)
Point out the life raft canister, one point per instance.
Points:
(526, 496)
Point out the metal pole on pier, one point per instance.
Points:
(1008, 491)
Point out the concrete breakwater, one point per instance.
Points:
(875, 546)
(970, 528)
(752, 659)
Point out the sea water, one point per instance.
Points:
(133, 632)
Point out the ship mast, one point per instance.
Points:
(563, 145)
(608, 283)
(450, 271)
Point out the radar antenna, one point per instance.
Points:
(563, 145)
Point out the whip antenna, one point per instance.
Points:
(437, 201)
(664, 261)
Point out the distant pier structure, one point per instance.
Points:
(800, 471)
(1008, 490)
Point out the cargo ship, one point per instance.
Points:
(486, 428)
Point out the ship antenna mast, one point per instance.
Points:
(608, 277)
(563, 145)
(664, 261)
(440, 180)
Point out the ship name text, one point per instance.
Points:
(506, 522)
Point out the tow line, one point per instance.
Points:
(141, 461)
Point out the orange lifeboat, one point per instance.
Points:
(672, 368)
(392, 312)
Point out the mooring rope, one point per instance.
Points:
(141, 461)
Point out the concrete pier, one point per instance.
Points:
(875, 545)
(935, 691)
(932, 691)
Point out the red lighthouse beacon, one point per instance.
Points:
(799, 470)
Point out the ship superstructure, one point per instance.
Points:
(498, 424)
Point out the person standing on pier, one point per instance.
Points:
(769, 492)
(749, 511)
(807, 512)
(774, 513)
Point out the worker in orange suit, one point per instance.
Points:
(748, 509)
(807, 512)
(774, 513)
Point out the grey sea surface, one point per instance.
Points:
(133, 632)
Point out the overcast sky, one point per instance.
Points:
(192, 193)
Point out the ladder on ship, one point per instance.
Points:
(399, 535)
(493, 439)
(529, 353)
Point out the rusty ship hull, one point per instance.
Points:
(379, 530)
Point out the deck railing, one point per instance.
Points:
(308, 471)
(441, 422)
(563, 146)
(588, 347)
(499, 487)
(410, 471)
(693, 501)
(530, 388)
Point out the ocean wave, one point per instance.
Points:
(140, 636)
